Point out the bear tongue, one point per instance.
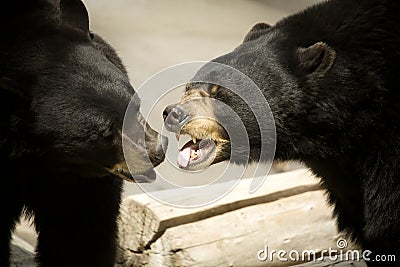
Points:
(184, 157)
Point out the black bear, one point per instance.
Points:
(64, 92)
(331, 76)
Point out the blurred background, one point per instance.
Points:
(150, 35)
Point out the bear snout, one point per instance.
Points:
(157, 152)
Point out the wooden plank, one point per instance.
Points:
(300, 222)
(144, 219)
(22, 253)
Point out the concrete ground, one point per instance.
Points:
(151, 35)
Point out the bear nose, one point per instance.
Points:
(174, 118)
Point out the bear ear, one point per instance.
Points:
(316, 59)
(75, 14)
(256, 31)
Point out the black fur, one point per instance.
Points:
(331, 76)
(63, 96)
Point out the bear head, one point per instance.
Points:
(64, 93)
(309, 88)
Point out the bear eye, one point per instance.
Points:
(214, 90)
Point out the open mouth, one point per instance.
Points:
(197, 154)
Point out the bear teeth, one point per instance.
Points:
(194, 140)
(193, 154)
